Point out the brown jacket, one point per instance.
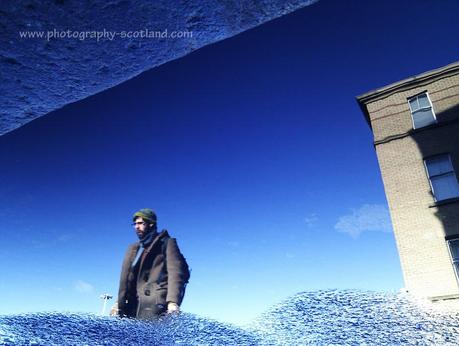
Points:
(158, 277)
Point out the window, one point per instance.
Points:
(454, 252)
(442, 178)
(421, 111)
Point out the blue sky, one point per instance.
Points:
(253, 152)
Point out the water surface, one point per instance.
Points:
(310, 318)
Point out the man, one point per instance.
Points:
(154, 272)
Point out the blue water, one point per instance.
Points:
(310, 318)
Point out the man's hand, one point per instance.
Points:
(114, 310)
(173, 308)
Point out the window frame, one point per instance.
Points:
(423, 108)
(453, 260)
(439, 175)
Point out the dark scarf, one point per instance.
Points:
(148, 238)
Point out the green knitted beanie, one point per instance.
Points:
(146, 214)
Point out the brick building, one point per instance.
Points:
(415, 123)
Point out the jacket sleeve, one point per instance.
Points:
(177, 272)
(123, 292)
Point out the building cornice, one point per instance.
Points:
(405, 84)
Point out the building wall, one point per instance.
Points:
(390, 115)
(420, 224)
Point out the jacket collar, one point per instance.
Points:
(156, 239)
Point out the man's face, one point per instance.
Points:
(142, 227)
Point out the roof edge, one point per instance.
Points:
(378, 93)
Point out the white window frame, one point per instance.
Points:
(439, 175)
(453, 260)
(423, 108)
